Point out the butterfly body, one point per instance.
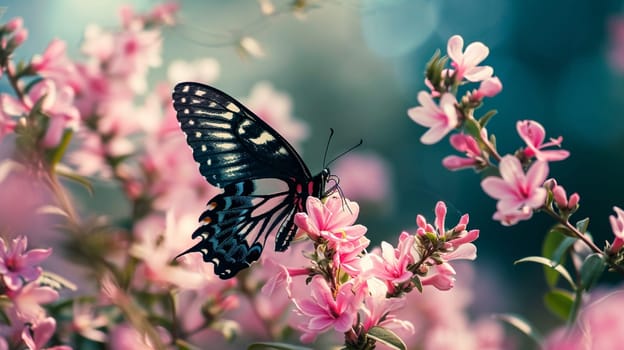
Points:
(238, 152)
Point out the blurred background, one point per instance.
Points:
(356, 66)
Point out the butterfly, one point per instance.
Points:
(239, 152)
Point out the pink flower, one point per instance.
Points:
(617, 225)
(275, 108)
(332, 221)
(517, 190)
(489, 87)
(440, 119)
(36, 335)
(378, 308)
(124, 336)
(324, 312)
(18, 266)
(86, 323)
(364, 177)
(599, 325)
(465, 144)
(390, 265)
(134, 52)
(54, 64)
(28, 300)
(533, 134)
(442, 278)
(512, 217)
(57, 104)
(7, 124)
(466, 63)
(156, 249)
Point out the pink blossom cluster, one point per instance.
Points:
(519, 187)
(519, 182)
(352, 292)
(22, 284)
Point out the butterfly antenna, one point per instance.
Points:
(345, 152)
(331, 134)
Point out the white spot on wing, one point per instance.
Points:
(191, 122)
(209, 162)
(204, 148)
(200, 92)
(198, 134)
(263, 138)
(185, 88)
(232, 107)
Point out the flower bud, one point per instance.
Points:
(14, 24)
(560, 197)
(574, 199)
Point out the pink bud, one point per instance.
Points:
(550, 184)
(490, 87)
(574, 199)
(14, 24)
(560, 197)
(20, 36)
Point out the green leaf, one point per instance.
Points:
(591, 270)
(582, 225)
(559, 302)
(60, 150)
(473, 128)
(522, 325)
(69, 174)
(552, 264)
(486, 117)
(387, 337)
(275, 346)
(552, 240)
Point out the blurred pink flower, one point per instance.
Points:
(616, 42)
(617, 225)
(600, 325)
(533, 134)
(7, 123)
(124, 336)
(57, 104)
(517, 190)
(466, 63)
(513, 216)
(95, 90)
(54, 64)
(275, 108)
(18, 265)
(323, 311)
(332, 221)
(465, 144)
(37, 334)
(156, 247)
(27, 301)
(85, 322)
(440, 119)
(364, 176)
(134, 52)
(22, 194)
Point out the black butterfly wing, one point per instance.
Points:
(231, 143)
(236, 151)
